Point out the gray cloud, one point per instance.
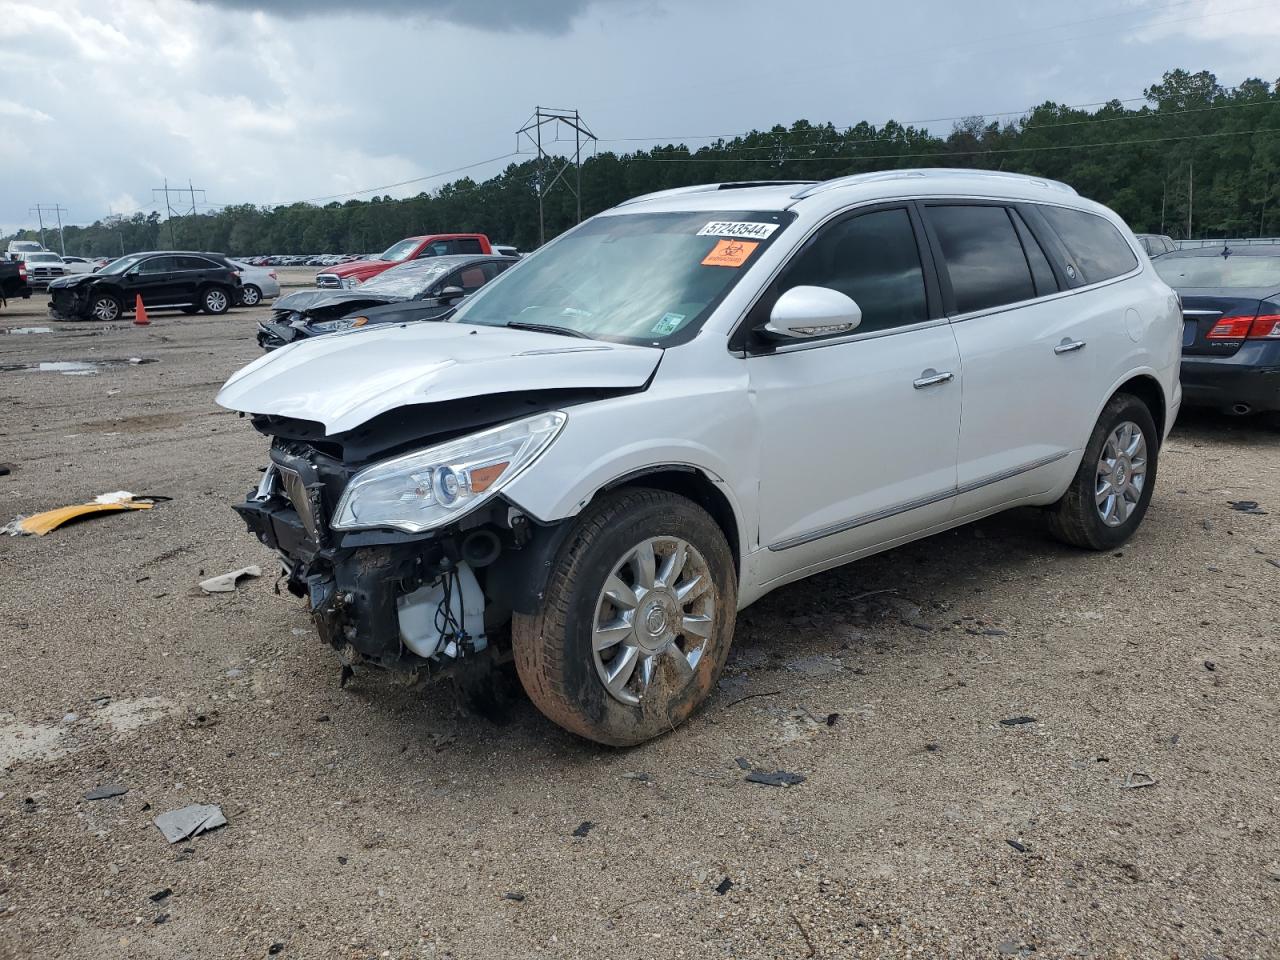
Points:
(500, 16)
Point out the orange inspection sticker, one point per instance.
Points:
(729, 253)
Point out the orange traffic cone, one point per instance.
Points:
(140, 318)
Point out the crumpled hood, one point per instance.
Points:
(72, 280)
(358, 268)
(345, 379)
(304, 300)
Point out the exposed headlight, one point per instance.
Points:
(325, 326)
(429, 488)
(350, 282)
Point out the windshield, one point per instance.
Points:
(43, 258)
(21, 245)
(1219, 271)
(650, 278)
(119, 266)
(408, 280)
(398, 252)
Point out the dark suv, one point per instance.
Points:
(184, 280)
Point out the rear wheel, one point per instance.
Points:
(105, 307)
(1109, 494)
(214, 300)
(636, 620)
(250, 295)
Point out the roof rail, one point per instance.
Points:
(711, 187)
(929, 173)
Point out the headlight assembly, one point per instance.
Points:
(431, 487)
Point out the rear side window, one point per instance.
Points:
(1046, 283)
(872, 258)
(195, 263)
(982, 256)
(467, 245)
(1096, 246)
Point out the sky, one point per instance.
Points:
(274, 101)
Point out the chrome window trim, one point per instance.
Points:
(954, 318)
(884, 514)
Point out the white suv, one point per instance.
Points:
(697, 397)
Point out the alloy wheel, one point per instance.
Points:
(654, 619)
(250, 296)
(215, 301)
(105, 309)
(1121, 474)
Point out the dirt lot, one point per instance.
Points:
(373, 822)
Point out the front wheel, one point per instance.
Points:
(636, 620)
(105, 308)
(250, 295)
(1111, 490)
(215, 300)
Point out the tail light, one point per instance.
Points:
(1265, 327)
(22, 271)
(1230, 328)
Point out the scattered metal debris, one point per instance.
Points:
(1017, 721)
(106, 791)
(778, 778)
(1018, 845)
(724, 886)
(514, 895)
(1137, 780)
(226, 582)
(160, 895)
(1247, 506)
(742, 762)
(190, 821)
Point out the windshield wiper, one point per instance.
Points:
(547, 328)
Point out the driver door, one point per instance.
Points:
(860, 431)
(156, 279)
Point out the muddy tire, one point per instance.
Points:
(1111, 490)
(609, 659)
(215, 300)
(104, 307)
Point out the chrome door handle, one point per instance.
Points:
(1068, 346)
(931, 377)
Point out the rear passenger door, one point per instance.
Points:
(1029, 348)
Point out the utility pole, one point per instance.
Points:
(40, 209)
(168, 205)
(582, 135)
(1191, 187)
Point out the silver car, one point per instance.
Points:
(256, 283)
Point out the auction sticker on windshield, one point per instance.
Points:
(729, 253)
(738, 228)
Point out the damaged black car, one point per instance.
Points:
(418, 290)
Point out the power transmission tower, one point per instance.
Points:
(40, 209)
(582, 135)
(170, 210)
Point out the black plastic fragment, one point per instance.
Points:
(779, 778)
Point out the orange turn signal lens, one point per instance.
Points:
(482, 478)
(359, 321)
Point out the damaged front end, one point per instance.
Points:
(392, 577)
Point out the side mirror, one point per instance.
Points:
(451, 293)
(804, 312)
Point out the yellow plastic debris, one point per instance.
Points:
(42, 523)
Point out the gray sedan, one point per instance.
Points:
(256, 283)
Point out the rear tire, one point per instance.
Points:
(1111, 490)
(684, 627)
(215, 300)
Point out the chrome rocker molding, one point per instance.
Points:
(901, 508)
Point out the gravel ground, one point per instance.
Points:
(374, 822)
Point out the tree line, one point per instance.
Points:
(1194, 155)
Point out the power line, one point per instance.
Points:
(40, 209)
(952, 153)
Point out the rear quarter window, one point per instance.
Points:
(1096, 246)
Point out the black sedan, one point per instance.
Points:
(1231, 325)
(417, 290)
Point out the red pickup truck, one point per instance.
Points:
(412, 248)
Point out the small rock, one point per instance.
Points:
(160, 895)
(163, 918)
(70, 717)
(582, 829)
(832, 719)
(635, 775)
(105, 791)
(1210, 666)
(1017, 845)
(724, 886)
(275, 948)
(515, 895)
(234, 672)
(342, 861)
(323, 718)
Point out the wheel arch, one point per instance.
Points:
(1147, 389)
